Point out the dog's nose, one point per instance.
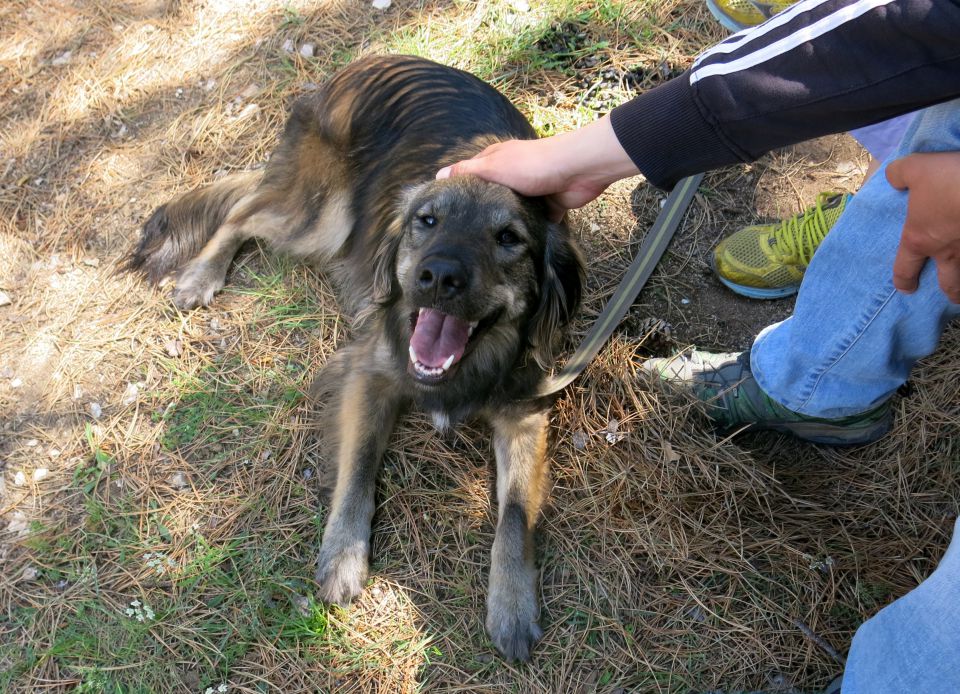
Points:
(443, 277)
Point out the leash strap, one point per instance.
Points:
(651, 250)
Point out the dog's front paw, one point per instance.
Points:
(512, 613)
(196, 285)
(341, 571)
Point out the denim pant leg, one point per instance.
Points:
(852, 338)
(913, 644)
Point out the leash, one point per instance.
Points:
(651, 250)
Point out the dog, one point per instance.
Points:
(460, 290)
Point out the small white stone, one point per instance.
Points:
(29, 573)
(302, 604)
(19, 479)
(248, 111)
(16, 382)
(40, 473)
(18, 524)
(580, 440)
(288, 46)
(95, 410)
(130, 394)
(179, 481)
(4, 299)
(306, 50)
(381, 4)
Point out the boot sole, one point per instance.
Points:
(833, 435)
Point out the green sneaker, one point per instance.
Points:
(735, 15)
(734, 400)
(767, 261)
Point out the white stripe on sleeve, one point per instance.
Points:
(788, 43)
(745, 36)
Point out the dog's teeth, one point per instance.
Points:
(448, 363)
(413, 355)
(420, 312)
(473, 326)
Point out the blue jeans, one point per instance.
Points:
(913, 644)
(849, 345)
(853, 338)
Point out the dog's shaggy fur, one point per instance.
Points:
(461, 288)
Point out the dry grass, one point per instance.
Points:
(672, 560)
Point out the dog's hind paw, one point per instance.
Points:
(512, 623)
(341, 572)
(196, 286)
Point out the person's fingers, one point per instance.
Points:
(948, 275)
(461, 168)
(474, 165)
(906, 269)
(895, 173)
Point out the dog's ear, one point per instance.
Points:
(560, 289)
(385, 286)
(385, 282)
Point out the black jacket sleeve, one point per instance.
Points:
(818, 67)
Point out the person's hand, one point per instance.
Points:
(932, 229)
(570, 170)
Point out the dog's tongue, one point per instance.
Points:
(437, 336)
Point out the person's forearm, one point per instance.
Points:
(594, 152)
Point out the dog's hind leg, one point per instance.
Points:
(204, 275)
(367, 408)
(178, 230)
(520, 445)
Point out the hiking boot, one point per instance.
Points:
(735, 402)
(736, 15)
(767, 261)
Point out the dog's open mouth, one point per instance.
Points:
(438, 343)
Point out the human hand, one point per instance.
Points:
(932, 228)
(570, 169)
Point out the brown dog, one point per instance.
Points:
(460, 287)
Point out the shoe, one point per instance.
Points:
(767, 261)
(737, 15)
(735, 401)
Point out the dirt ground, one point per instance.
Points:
(159, 505)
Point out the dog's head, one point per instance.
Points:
(483, 276)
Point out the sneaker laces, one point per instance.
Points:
(798, 237)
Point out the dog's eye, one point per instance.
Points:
(507, 237)
(428, 220)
